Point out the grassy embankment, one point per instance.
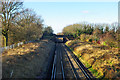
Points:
(102, 61)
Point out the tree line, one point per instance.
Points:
(21, 24)
(109, 33)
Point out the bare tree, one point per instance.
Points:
(28, 26)
(10, 9)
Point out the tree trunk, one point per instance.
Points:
(4, 44)
(6, 39)
(5, 34)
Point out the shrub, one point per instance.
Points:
(90, 40)
(111, 44)
(82, 37)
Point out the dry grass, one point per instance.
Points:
(27, 61)
(102, 61)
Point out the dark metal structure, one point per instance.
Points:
(61, 38)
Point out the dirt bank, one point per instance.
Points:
(30, 60)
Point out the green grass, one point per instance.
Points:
(79, 56)
(93, 70)
(95, 73)
(87, 65)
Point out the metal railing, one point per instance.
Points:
(15, 45)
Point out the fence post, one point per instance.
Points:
(10, 47)
(17, 44)
(14, 45)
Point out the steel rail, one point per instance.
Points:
(73, 69)
(53, 76)
(82, 69)
(62, 67)
(54, 68)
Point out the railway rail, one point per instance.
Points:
(84, 70)
(58, 70)
(78, 69)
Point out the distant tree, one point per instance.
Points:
(48, 30)
(78, 29)
(97, 32)
(106, 29)
(89, 29)
(101, 29)
(114, 26)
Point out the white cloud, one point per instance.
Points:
(85, 11)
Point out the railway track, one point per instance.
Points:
(84, 70)
(59, 71)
